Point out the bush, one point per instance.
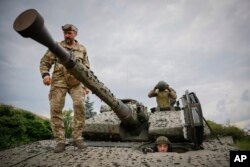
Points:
(235, 132)
(243, 143)
(37, 130)
(18, 127)
(228, 130)
(67, 122)
(217, 128)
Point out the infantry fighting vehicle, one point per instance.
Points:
(127, 119)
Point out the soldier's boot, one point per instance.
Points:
(60, 147)
(79, 144)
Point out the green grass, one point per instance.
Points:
(243, 144)
(242, 141)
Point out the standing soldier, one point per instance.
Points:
(62, 82)
(165, 96)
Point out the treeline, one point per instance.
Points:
(19, 127)
(240, 137)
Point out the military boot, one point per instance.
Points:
(79, 144)
(60, 147)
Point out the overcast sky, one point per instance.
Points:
(197, 45)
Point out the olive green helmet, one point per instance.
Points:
(162, 140)
(162, 85)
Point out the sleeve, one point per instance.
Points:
(46, 63)
(152, 93)
(172, 93)
(86, 59)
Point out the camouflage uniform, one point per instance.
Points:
(62, 82)
(163, 98)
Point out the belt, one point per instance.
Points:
(164, 108)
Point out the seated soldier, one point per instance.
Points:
(165, 96)
(162, 144)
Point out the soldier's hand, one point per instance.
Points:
(156, 90)
(47, 80)
(86, 91)
(167, 90)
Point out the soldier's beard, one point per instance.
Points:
(68, 41)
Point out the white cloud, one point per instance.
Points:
(194, 45)
(245, 124)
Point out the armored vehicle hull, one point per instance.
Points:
(129, 119)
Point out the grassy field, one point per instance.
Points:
(243, 144)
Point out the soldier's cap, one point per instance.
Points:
(162, 140)
(69, 27)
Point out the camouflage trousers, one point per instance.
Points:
(57, 100)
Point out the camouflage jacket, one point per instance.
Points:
(60, 76)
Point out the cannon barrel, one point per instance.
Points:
(31, 24)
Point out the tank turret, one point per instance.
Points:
(129, 120)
